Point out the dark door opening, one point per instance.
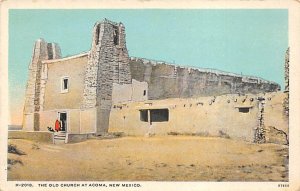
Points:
(63, 120)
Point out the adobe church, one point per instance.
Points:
(105, 90)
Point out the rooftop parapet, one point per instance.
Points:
(245, 78)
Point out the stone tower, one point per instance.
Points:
(34, 96)
(108, 63)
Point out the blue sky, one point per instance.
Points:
(251, 42)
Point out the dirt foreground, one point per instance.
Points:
(169, 158)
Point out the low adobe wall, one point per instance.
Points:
(39, 136)
(276, 120)
(206, 116)
(75, 138)
(78, 121)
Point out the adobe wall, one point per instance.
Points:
(207, 116)
(74, 69)
(276, 120)
(136, 91)
(38, 136)
(75, 138)
(78, 121)
(171, 81)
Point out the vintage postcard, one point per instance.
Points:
(150, 95)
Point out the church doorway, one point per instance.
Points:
(63, 120)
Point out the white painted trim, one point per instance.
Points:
(154, 107)
(30, 131)
(57, 110)
(244, 106)
(67, 138)
(67, 58)
(149, 117)
(68, 122)
(81, 133)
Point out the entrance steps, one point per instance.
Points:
(59, 137)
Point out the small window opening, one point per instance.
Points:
(244, 110)
(156, 115)
(64, 84)
(97, 35)
(50, 51)
(145, 92)
(116, 35)
(159, 115)
(144, 115)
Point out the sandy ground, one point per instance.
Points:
(170, 158)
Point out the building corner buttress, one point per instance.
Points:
(35, 88)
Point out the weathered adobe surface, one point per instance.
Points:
(171, 81)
